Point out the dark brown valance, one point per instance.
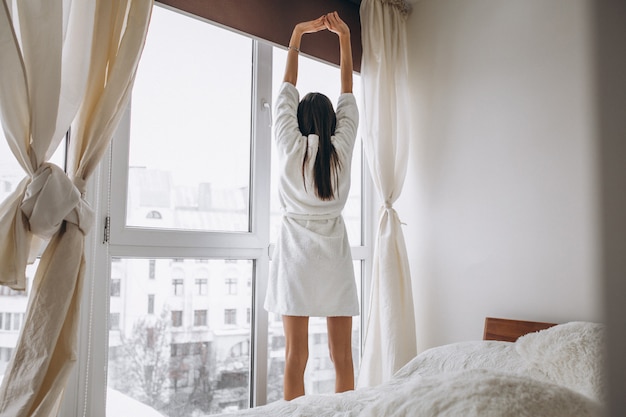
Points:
(273, 20)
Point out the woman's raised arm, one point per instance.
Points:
(291, 68)
(336, 25)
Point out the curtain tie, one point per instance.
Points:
(52, 197)
(388, 206)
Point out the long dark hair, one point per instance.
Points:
(317, 116)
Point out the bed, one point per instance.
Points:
(520, 368)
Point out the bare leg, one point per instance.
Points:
(340, 345)
(296, 355)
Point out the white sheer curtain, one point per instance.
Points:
(62, 63)
(390, 332)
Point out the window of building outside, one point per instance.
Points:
(231, 286)
(201, 286)
(177, 318)
(230, 316)
(187, 230)
(199, 318)
(114, 321)
(178, 286)
(150, 303)
(115, 287)
(152, 269)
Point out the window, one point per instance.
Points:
(191, 192)
(177, 318)
(150, 337)
(202, 265)
(201, 286)
(231, 286)
(5, 354)
(115, 287)
(17, 320)
(178, 286)
(152, 269)
(230, 316)
(150, 303)
(114, 321)
(199, 317)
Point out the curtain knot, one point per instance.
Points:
(52, 197)
(388, 207)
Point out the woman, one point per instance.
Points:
(312, 273)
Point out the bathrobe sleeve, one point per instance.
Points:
(287, 132)
(347, 124)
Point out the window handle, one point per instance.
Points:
(269, 111)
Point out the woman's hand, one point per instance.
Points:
(334, 23)
(311, 26)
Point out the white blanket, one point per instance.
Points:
(472, 379)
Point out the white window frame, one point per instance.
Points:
(86, 391)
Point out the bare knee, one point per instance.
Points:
(341, 358)
(296, 359)
(340, 341)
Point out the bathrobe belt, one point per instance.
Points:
(302, 216)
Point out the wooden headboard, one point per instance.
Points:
(509, 330)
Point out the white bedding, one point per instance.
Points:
(554, 372)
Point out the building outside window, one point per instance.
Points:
(200, 318)
(150, 303)
(114, 321)
(230, 316)
(5, 321)
(231, 286)
(17, 320)
(177, 318)
(115, 287)
(201, 286)
(152, 269)
(178, 285)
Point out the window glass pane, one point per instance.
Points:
(189, 162)
(324, 78)
(319, 376)
(191, 356)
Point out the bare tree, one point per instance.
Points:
(143, 367)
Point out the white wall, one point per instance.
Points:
(500, 197)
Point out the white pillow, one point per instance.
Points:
(570, 354)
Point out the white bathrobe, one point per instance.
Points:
(311, 272)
